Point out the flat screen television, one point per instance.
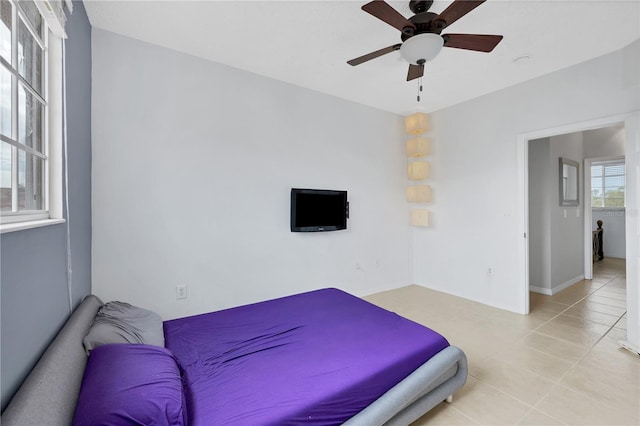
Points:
(317, 210)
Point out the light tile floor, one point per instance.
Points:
(559, 365)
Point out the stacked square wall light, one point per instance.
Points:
(418, 170)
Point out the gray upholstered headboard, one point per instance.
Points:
(49, 394)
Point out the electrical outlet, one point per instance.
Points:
(181, 292)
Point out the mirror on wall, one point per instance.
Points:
(569, 182)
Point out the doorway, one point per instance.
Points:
(631, 124)
(605, 181)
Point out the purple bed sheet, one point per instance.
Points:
(312, 358)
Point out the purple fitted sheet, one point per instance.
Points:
(312, 358)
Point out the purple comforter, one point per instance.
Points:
(313, 358)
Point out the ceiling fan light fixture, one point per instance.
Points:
(421, 48)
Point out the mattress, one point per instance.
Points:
(314, 358)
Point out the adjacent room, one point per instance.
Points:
(451, 220)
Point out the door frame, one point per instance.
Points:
(631, 122)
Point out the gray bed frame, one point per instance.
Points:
(49, 394)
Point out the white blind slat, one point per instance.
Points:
(607, 184)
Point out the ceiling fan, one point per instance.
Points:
(420, 34)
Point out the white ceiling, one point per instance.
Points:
(307, 43)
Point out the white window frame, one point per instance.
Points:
(52, 131)
(607, 162)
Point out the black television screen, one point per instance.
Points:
(314, 210)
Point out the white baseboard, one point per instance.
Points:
(628, 346)
(557, 289)
(541, 290)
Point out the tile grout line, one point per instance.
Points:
(558, 383)
(555, 385)
(551, 355)
(469, 418)
(542, 412)
(606, 404)
(571, 306)
(573, 365)
(533, 407)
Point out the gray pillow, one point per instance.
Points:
(119, 322)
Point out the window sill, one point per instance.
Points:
(20, 226)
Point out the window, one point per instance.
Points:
(607, 184)
(26, 170)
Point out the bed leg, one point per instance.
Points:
(449, 399)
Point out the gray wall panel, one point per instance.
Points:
(33, 276)
(78, 54)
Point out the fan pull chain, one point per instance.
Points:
(419, 88)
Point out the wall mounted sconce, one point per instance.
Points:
(418, 147)
(418, 170)
(416, 123)
(419, 194)
(420, 217)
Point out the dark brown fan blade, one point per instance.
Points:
(373, 55)
(477, 42)
(388, 14)
(457, 10)
(415, 71)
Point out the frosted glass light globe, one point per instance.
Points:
(421, 48)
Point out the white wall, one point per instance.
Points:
(193, 163)
(632, 221)
(567, 222)
(613, 237)
(477, 222)
(539, 215)
(556, 233)
(605, 142)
